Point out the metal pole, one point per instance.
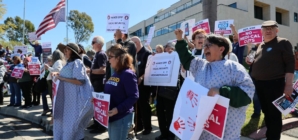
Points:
(66, 21)
(24, 23)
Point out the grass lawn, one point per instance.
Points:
(251, 125)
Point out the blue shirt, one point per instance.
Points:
(238, 51)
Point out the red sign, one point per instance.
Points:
(7, 67)
(34, 69)
(203, 24)
(216, 121)
(17, 72)
(101, 104)
(251, 34)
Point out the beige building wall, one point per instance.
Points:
(243, 16)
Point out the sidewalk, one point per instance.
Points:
(33, 115)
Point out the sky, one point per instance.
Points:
(36, 10)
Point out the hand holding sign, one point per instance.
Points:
(178, 34)
(113, 112)
(213, 91)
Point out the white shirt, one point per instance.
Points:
(232, 57)
(58, 65)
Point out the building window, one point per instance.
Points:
(158, 32)
(234, 5)
(180, 8)
(178, 24)
(173, 12)
(167, 15)
(187, 5)
(295, 17)
(161, 17)
(172, 27)
(156, 19)
(278, 17)
(147, 29)
(259, 12)
(165, 30)
(195, 1)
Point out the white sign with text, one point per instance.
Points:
(117, 21)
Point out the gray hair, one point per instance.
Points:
(50, 57)
(230, 45)
(100, 40)
(57, 55)
(171, 44)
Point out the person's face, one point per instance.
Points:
(50, 63)
(169, 49)
(213, 52)
(96, 46)
(159, 50)
(269, 32)
(113, 60)
(15, 60)
(67, 53)
(25, 61)
(199, 40)
(136, 41)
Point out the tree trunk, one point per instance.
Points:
(210, 12)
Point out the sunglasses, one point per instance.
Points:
(110, 57)
(93, 42)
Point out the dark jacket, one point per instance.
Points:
(132, 50)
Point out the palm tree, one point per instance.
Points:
(210, 12)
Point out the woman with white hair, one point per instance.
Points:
(231, 55)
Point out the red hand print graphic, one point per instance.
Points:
(179, 124)
(192, 97)
(191, 124)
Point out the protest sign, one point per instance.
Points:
(42, 71)
(285, 104)
(55, 85)
(117, 21)
(186, 27)
(34, 68)
(7, 66)
(101, 104)
(223, 26)
(251, 34)
(191, 111)
(35, 60)
(150, 35)
(162, 70)
(203, 24)
(46, 51)
(17, 72)
(24, 49)
(32, 36)
(216, 122)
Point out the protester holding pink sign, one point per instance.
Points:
(252, 34)
(14, 86)
(123, 88)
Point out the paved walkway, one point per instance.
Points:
(33, 115)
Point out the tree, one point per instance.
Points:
(10, 44)
(14, 29)
(210, 12)
(82, 25)
(2, 12)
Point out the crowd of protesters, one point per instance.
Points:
(214, 61)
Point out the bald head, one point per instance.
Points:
(137, 41)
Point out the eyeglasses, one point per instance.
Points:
(110, 57)
(93, 42)
(200, 37)
(208, 45)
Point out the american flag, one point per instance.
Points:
(52, 19)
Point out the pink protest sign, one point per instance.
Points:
(101, 104)
(34, 69)
(203, 24)
(250, 34)
(17, 72)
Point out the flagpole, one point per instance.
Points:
(24, 23)
(66, 21)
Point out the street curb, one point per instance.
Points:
(287, 124)
(34, 117)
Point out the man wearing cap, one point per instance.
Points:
(37, 48)
(272, 73)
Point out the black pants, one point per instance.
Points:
(165, 110)
(26, 88)
(1, 93)
(268, 91)
(36, 96)
(98, 86)
(143, 108)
